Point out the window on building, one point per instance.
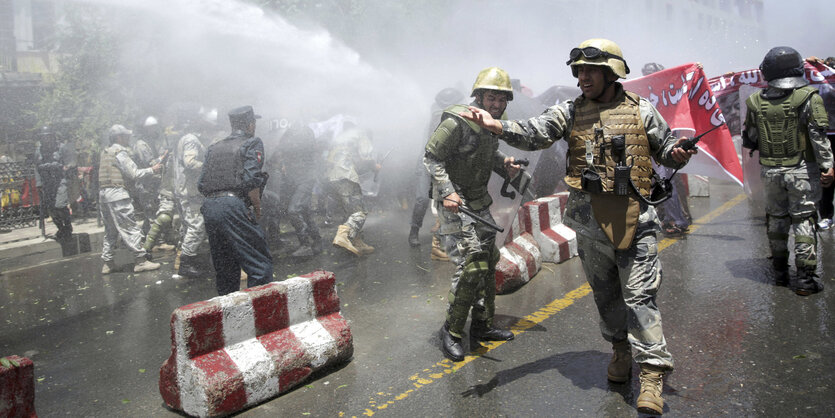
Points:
(43, 24)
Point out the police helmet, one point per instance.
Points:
(116, 131)
(493, 78)
(45, 133)
(448, 97)
(601, 52)
(782, 68)
(651, 68)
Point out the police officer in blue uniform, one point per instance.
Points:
(232, 182)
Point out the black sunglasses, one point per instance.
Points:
(591, 52)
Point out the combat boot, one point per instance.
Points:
(108, 267)
(341, 240)
(652, 382)
(479, 331)
(437, 251)
(413, 237)
(188, 266)
(620, 367)
(451, 344)
(781, 269)
(303, 251)
(807, 282)
(316, 246)
(364, 248)
(142, 264)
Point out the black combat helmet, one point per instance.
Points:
(45, 133)
(651, 68)
(448, 97)
(782, 68)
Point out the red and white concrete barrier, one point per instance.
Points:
(536, 234)
(557, 241)
(237, 350)
(17, 387)
(520, 261)
(542, 218)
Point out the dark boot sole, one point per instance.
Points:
(449, 355)
(618, 379)
(648, 410)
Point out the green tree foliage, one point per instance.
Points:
(84, 98)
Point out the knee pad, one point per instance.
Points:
(476, 266)
(163, 219)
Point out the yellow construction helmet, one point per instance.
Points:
(598, 51)
(493, 78)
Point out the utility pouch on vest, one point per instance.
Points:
(622, 176)
(591, 182)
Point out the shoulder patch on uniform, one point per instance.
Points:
(258, 156)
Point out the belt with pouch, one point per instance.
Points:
(223, 194)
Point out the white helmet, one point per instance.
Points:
(209, 115)
(150, 121)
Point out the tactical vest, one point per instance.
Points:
(782, 141)
(598, 123)
(471, 163)
(109, 174)
(224, 165)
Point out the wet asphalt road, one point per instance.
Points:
(742, 346)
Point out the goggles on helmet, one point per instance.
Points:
(591, 52)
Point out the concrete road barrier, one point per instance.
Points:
(536, 234)
(520, 261)
(234, 351)
(17, 387)
(544, 220)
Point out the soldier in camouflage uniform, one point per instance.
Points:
(189, 155)
(460, 156)
(146, 151)
(787, 123)
(116, 171)
(616, 227)
(351, 152)
(297, 170)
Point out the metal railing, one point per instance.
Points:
(19, 200)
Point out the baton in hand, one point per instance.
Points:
(472, 214)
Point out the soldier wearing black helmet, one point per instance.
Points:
(232, 182)
(56, 168)
(787, 123)
(616, 226)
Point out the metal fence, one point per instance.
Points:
(19, 200)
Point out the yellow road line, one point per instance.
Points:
(445, 367)
(698, 223)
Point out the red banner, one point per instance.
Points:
(684, 98)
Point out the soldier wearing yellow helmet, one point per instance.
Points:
(460, 157)
(612, 136)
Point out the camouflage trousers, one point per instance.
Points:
(791, 194)
(193, 228)
(472, 247)
(120, 222)
(348, 196)
(624, 282)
